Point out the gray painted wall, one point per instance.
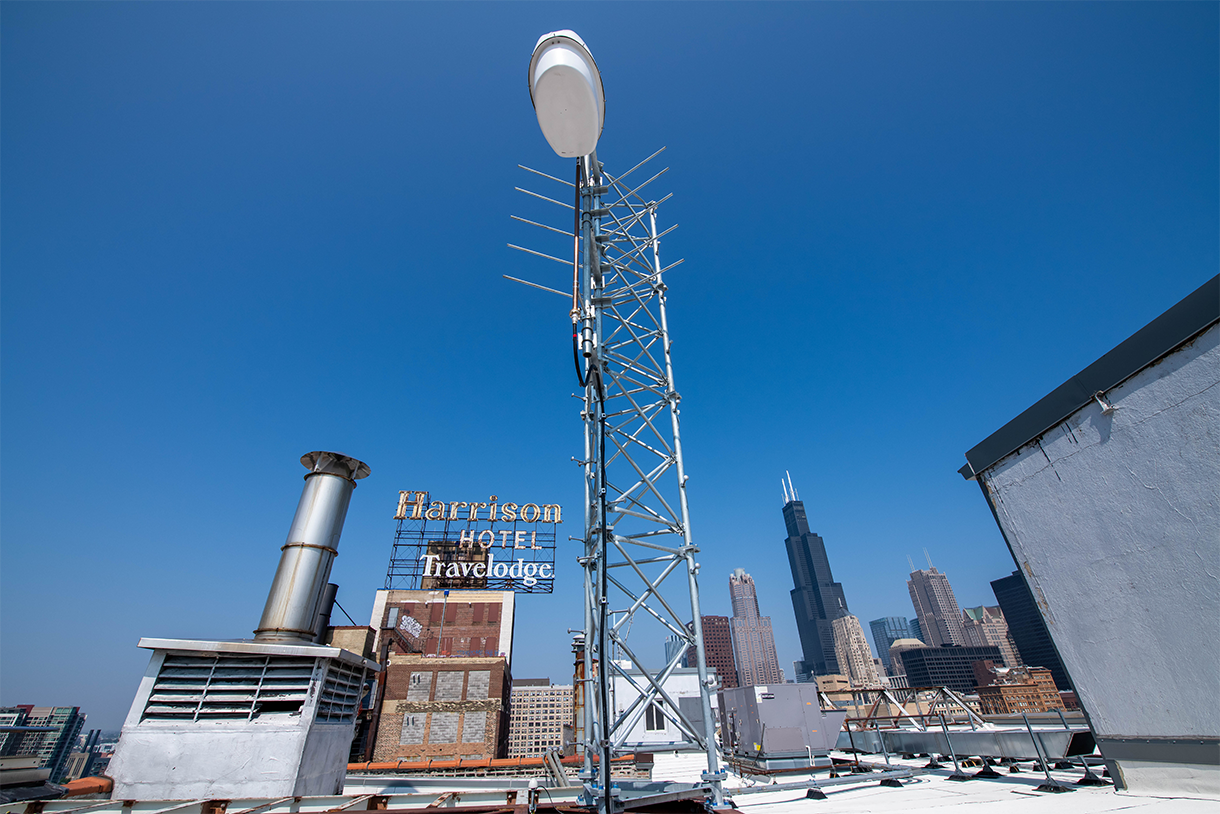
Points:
(1115, 521)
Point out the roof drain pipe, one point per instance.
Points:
(297, 592)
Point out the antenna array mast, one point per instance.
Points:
(639, 554)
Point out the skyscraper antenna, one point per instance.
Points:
(911, 562)
(791, 488)
(787, 499)
(928, 557)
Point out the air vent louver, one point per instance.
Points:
(208, 688)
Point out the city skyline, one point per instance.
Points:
(234, 233)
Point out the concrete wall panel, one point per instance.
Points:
(412, 731)
(477, 685)
(443, 727)
(449, 685)
(474, 727)
(1114, 519)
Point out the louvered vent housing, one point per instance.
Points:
(340, 693)
(207, 688)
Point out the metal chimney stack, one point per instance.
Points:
(296, 593)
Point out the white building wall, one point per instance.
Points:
(682, 683)
(1114, 519)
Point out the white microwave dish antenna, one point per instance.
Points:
(566, 89)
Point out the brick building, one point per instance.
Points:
(1006, 691)
(444, 689)
(445, 623)
(443, 707)
(717, 649)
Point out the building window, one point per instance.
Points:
(654, 721)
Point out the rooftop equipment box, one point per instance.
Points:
(777, 721)
(239, 719)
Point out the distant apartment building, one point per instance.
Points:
(895, 682)
(1013, 690)
(10, 739)
(886, 631)
(899, 647)
(1027, 627)
(753, 640)
(81, 760)
(985, 625)
(940, 619)
(52, 747)
(75, 766)
(951, 667)
(446, 658)
(717, 649)
(853, 653)
(539, 711)
(836, 687)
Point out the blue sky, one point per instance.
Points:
(235, 232)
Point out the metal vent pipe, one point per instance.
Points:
(291, 613)
(325, 608)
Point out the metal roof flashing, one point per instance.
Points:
(250, 647)
(1180, 324)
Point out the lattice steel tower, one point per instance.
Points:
(639, 554)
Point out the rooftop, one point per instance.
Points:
(933, 791)
(925, 790)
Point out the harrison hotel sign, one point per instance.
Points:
(484, 544)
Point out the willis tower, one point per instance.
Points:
(817, 600)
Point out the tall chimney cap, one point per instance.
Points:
(335, 463)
